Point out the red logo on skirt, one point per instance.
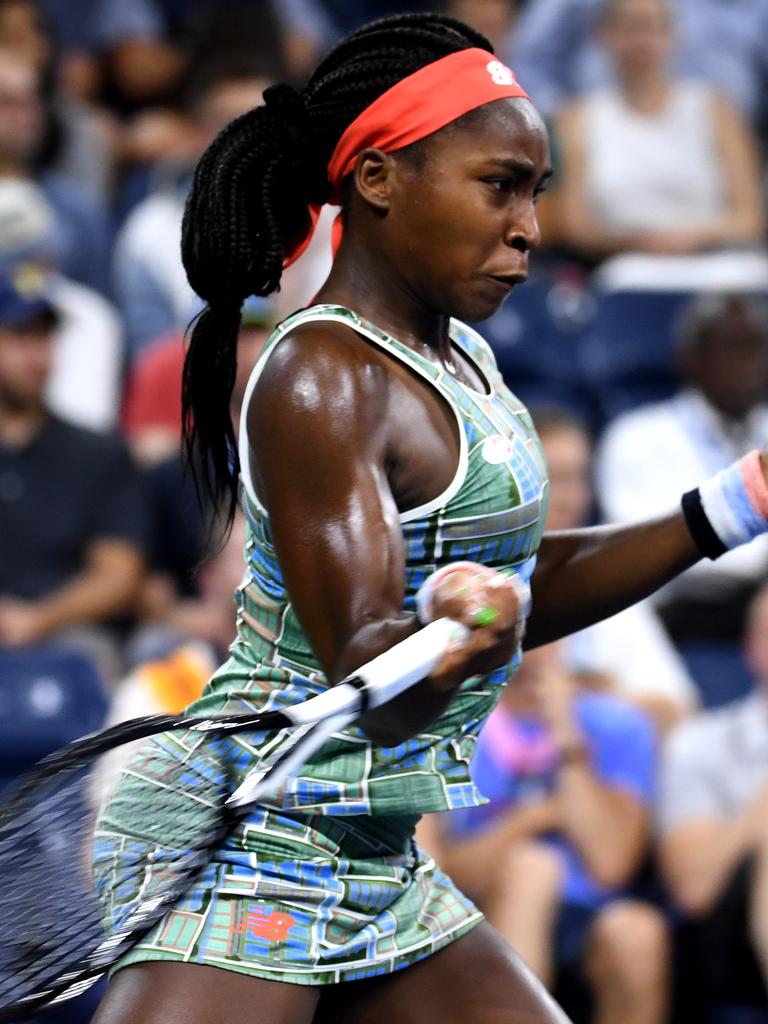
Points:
(266, 924)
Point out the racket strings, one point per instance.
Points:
(59, 862)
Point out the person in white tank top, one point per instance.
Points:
(654, 164)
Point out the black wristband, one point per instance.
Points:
(707, 541)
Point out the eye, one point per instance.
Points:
(503, 185)
(538, 191)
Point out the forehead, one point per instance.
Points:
(503, 129)
(621, 10)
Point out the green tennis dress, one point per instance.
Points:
(323, 882)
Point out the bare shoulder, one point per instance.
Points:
(324, 376)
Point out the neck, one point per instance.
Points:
(19, 426)
(726, 417)
(376, 291)
(11, 168)
(646, 91)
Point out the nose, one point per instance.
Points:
(523, 231)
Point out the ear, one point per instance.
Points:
(373, 178)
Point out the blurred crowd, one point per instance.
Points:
(624, 850)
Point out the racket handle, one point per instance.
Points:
(414, 658)
(384, 676)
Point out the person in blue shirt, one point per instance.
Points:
(569, 774)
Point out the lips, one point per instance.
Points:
(509, 280)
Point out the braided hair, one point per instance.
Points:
(249, 198)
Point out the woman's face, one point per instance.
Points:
(462, 218)
(638, 34)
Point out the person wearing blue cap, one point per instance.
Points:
(71, 507)
(27, 300)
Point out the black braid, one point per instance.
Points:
(249, 198)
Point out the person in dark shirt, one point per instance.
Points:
(72, 515)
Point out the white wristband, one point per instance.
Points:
(734, 502)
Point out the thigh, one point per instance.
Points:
(477, 979)
(160, 992)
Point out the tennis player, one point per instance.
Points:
(388, 477)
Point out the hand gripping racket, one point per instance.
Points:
(59, 931)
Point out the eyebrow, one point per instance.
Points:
(521, 168)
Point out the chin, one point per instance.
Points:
(478, 307)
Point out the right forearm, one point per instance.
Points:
(462, 594)
(415, 708)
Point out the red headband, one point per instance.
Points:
(416, 106)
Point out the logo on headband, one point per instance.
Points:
(500, 73)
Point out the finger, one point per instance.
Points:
(499, 606)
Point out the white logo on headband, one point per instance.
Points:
(500, 73)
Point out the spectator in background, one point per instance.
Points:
(134, 55)
(655, 164)
(569, 775)
(163, 140)
(348, 17)
(173, 662)
(179, 600)
(86, 379)
(495, 19)
(151, 286)
(713, 819)
(108, 41)
(77, 139)
(71, 508)
(82, 232)
(646, 456)
(630, 653)
(152, 410)
(558, 56)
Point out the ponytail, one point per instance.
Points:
(249, 194)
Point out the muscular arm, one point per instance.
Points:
(319, 426)
(584, 576)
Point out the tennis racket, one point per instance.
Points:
(58, 930)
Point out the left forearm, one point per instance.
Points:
(584, 576)
(93, 596)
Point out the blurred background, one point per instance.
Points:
(625, 848)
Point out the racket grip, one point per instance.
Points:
(414, 658)
(384, 676)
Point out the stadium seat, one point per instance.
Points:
(629, 352)
(48, 697)
(719, 671)
(739, 1015)
(536, 337)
